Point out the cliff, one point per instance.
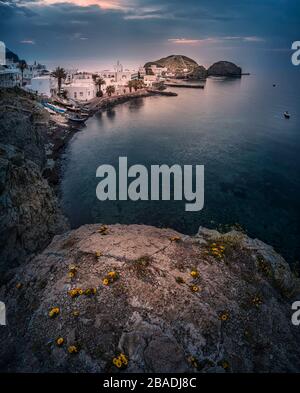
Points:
(169, 302)
(29, 211)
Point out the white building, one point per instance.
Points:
(82, 87)
(158, 70)
(2, 54)
(43, 85)
(9, 77)
(33, 71)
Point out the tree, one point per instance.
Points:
(99, 81)
(60, 74)
(130, 85)
(110, 90)
(136, 84)
(22, 65)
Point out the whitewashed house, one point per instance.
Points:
(82, 87)
(43, 85)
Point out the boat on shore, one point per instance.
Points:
(76, 119)
(55, 108)
(73, 108)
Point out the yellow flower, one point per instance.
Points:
(54, 312)
(224, 316)
(194, 288)
(194, 273)
(117, 362)
(215, 249)
(88, 292)
(72, 349)
(225, 365)
(94, 290)
(123, 359)
(175, 238)
(71, 274)
(76, 313)
(73, 292)
(98, 254)
(80, 291)
(60, 341)
(105, 281)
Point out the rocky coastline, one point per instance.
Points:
(171, 303)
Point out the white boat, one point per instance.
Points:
(286, 115)
(55, 108)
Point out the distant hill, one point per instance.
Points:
(12, 56)
(179, 65)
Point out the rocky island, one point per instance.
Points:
(79, 299)
(182, 67)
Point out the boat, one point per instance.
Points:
(55, 108)
(76, 119)
(73, 108)
(50, 111)
(286, 115)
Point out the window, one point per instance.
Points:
(81, 94)
(75, 95)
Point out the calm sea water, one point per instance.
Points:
(235, 127)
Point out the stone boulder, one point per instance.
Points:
(224, 68)
(233, 314)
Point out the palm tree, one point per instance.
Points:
(110, 90)
(99, 81)
(22, 65)
(130, 85)
(60, 74)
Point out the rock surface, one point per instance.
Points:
(237, 319)
(23, 123)
(224, 68)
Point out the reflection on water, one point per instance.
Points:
(235, 127)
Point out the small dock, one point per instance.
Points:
(162, 92)
(186, 85)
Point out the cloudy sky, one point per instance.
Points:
(93, 34)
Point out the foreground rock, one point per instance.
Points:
(224, 68)
(235, 316)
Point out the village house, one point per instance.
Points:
(82, 87)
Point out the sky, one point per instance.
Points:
(94, 34)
